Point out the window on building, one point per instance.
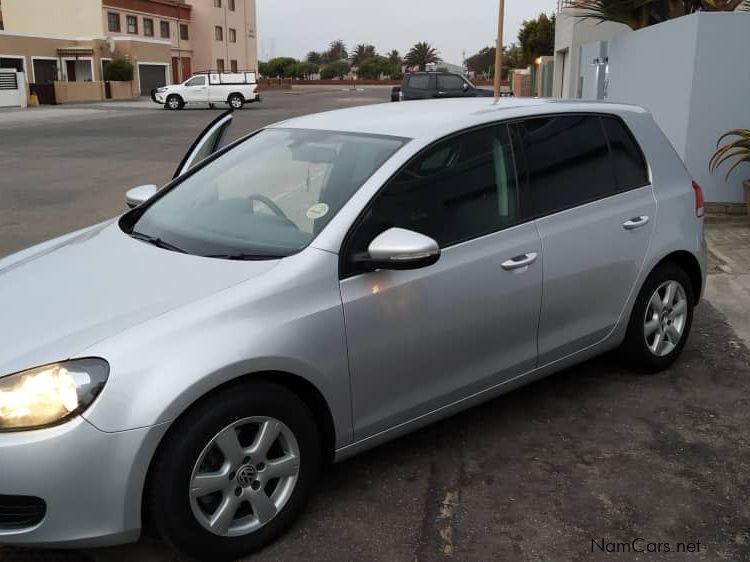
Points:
(184, 32)
(232, 35)
(164, 27)
(220, 65)
(113, 22)
(230, 4)
(148, 27)
(233, 65)
(219, 33)
(132, 24)
(217, 3)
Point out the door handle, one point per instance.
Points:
(635, 222)
(519, 261)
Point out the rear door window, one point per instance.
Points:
(563, 162)
(419, 82)
(630, 165)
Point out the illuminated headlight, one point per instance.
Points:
(51, 394)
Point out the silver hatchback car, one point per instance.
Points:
(319, 287)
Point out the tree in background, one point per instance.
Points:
(314, 57)
(638, 14)
(483, 63)
(119, 70)
(336, 52)
(396, 64)
(283, 67)
(336, 69)
(360, 53)
(422, 54)
(263, 69)
(537, 37)
(373, 67)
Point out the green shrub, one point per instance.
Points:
(119, 70)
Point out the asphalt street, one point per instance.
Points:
(592, 456)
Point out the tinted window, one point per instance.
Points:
(197, 81)
(460, 189)
(564, 161)
(420, 82)
(630, 166)
(448, 82)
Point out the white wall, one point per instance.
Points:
(14, 98)
(720, 99)
(570, 33)
(693, 74)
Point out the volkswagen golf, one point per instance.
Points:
(321, 286)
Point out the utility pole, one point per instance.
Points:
(499, 48)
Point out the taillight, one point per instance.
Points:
(698, 199)
(255, 89)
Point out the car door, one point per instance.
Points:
(208, 142)
(419, 340)
(588, 185)
(452, 86)
(196, 90)
(420, 86)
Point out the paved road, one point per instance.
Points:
(594, 453)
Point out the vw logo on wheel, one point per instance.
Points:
(246, 476)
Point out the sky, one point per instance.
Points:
(295, 27)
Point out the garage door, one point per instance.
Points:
(151, 76)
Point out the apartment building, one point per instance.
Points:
(166, 40)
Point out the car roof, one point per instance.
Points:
(431, 119)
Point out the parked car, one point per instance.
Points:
(430, 85)
(317, 288)
(233, 88)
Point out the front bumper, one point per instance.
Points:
(158, 97)
(91, 481)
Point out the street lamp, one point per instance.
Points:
(499, 48)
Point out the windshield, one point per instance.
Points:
(268, 197)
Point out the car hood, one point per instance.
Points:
(61, 297)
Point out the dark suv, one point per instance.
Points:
(429, 85)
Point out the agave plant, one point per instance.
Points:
(637, 14)
(738, 150)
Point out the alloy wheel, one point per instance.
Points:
(666, 317)
(244, 476)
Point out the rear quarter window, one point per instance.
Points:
(629, 162)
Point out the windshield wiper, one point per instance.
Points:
(158, 242)
(246, 257)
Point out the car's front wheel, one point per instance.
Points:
(174, 102)
(661, 320)
(235, 472)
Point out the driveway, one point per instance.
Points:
(574, 467)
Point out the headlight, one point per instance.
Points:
(160, 90)
(51, 394)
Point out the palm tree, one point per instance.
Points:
(638, 14)
(360, 53)
(395, 62)
(337, 51)
(422, 54)
(314, 57)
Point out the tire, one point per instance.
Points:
(236, 101)
(182, 516)
(641, 351)
(174, 102)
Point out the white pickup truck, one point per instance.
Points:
(233, 88)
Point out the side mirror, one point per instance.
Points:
(401, 249)
(466, 87)
(140, 194)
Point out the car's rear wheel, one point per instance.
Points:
(661, 320)
(236, 101)
(174, 102)
(235, 472)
